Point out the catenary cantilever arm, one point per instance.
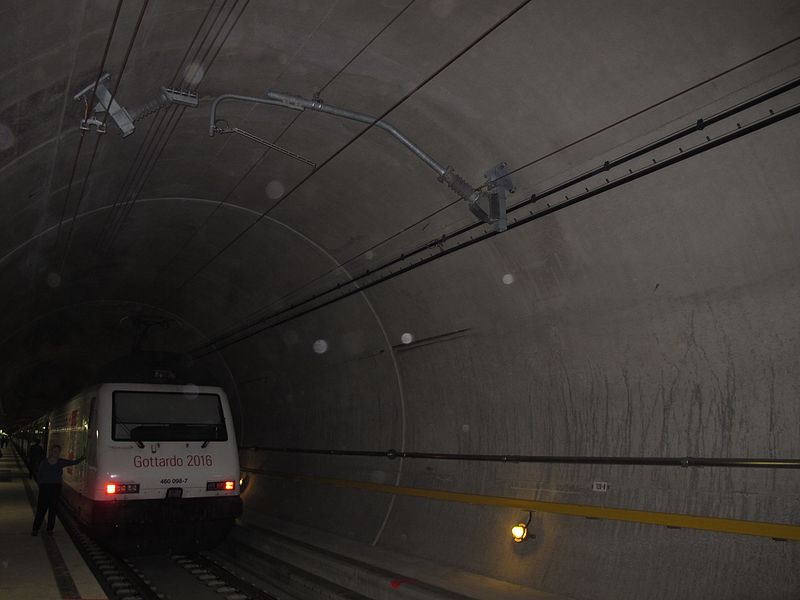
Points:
(479, 201)
(299, 103)
(212, 124)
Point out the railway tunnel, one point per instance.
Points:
(459, 265)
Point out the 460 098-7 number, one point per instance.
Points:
(175, 480)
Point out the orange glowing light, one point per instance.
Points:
(111, 488)
(229, 485)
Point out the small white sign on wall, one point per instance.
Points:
(600, 486)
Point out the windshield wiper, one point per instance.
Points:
(128, 431)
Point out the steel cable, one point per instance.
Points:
(114, 21)
(137, 160)
(102, 126)
(141, 163)
(128, 205)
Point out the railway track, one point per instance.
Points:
(161, 576)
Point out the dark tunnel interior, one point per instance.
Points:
(457, 264)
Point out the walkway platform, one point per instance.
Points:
(36, 568)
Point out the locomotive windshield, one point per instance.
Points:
(167, 416)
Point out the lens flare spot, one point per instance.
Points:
(53, 279)
(320, 346)
(274, 190)
(194, 73)
(6, 137)
(406, 338)
(508, 279)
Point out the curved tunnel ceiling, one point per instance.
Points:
(640, 303)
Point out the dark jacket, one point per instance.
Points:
(49, 474)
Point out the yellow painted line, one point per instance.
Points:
(757, 528)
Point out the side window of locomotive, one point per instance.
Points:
(167, 416)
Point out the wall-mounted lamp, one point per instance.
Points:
(520, 530)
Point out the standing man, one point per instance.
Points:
(35, 456)
(50, 476)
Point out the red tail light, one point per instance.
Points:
(122, 488)
(214, 486)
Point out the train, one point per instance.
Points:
(161, 466)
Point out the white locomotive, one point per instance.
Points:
(161, 466)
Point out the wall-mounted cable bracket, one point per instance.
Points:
(102, 104)
(105, 104)
(499, 184)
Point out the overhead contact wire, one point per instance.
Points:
(147, 148)
(117, 83)
(129, 205)
(136, 162)
(339, 267)
(114, 21)
(183, 109)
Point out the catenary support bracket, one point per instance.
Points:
(103, 103)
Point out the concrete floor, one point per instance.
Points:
(25, 570)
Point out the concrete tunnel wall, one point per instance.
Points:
(556, 363)
(656, 319)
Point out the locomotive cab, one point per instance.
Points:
(162, 466)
